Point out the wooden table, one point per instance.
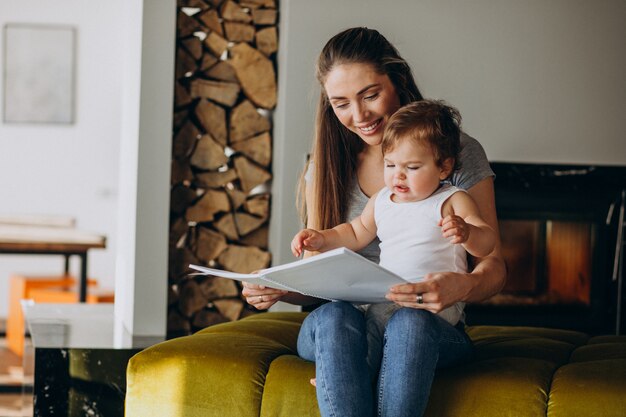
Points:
(43, 240)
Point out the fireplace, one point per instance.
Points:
(559, 230)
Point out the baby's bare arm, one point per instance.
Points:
(354, 235)
(463, 224)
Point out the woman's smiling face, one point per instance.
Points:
(362, 99)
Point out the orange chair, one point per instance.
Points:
(62, 296)
(43, 289)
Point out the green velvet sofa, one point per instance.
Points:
(250, 368)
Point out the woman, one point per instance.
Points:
(364, 81)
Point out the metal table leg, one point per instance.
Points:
(83, 278)
(67, 263)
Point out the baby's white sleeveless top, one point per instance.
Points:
(412, 244)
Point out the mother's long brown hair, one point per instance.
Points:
(335, 148)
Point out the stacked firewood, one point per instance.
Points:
(221, 156)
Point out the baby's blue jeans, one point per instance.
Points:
(415, 343)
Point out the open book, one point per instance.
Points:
(339, 274)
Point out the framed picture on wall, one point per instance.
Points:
(39, 73)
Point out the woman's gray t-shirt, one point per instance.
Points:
(474, 168)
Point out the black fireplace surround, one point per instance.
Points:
(569, 194)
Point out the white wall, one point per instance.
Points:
(69, 169)
(146, 153)
(535, 80)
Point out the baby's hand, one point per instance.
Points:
(454, 228)
(307, 239)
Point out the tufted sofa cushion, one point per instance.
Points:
(593, 383)
(250, 368)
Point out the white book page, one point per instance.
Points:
(339, 274)
(225, 274)
(256, 279)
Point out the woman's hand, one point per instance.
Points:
(261, 297)
(307, 239)
(435, 293)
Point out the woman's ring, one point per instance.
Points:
(420, 299)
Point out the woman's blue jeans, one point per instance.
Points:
(415, 343)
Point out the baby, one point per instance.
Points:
(424, 225)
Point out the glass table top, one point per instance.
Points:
(77, 357)
(80, 325)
